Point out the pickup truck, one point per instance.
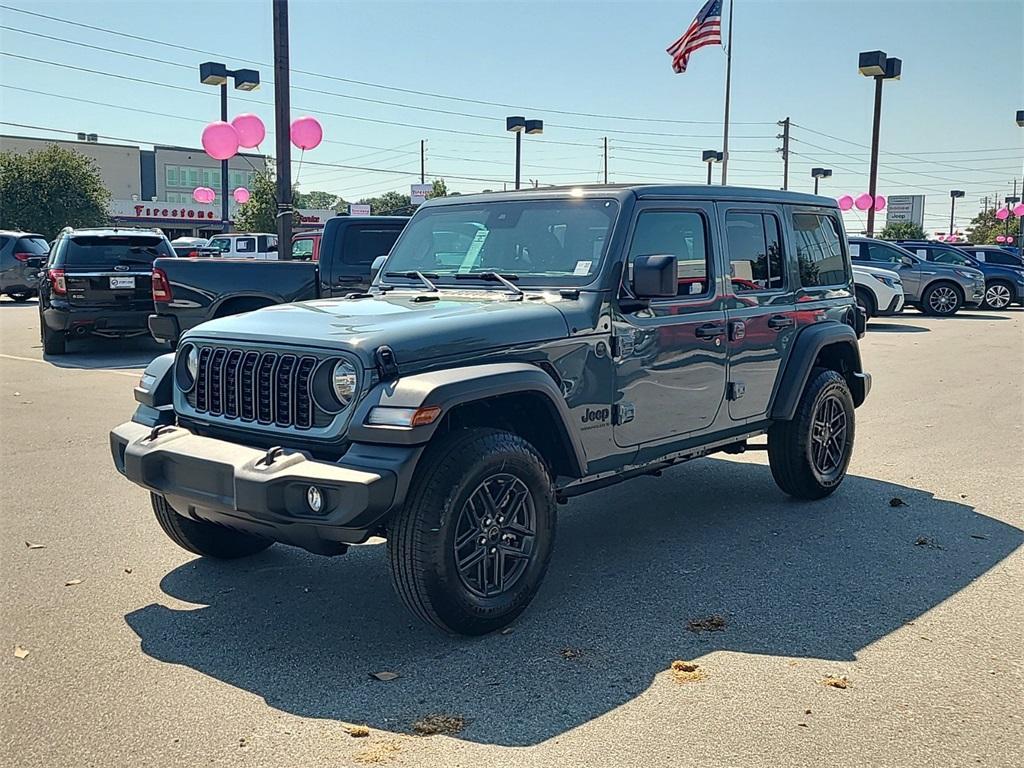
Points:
(187, 292)
(515, 350)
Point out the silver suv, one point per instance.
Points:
(934, 288)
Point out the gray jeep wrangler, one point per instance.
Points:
(515, 350)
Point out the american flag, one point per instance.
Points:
(706, 29)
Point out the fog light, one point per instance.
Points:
(314, 498)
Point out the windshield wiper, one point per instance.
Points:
(494, 277)
(414, 275)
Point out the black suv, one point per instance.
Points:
(21, 255)
(515, 350)
(98, 281)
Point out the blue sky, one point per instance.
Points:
(963, 79)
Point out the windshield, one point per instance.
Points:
(535, 242)
(111, 251)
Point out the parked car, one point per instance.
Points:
(879, 291)
(935, 289)
(992, 254)
(565, 340)
(246, 245)
(306, 245)
(1004, 285)
(187, 293)
(98, 281)
(21, 256)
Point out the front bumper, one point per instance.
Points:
(894, 308)
(222, 482)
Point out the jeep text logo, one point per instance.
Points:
(598, 415)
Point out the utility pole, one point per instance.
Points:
(282, 130)
(423, 161)
(785, 151)
(605, 159)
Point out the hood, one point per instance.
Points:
(455, 324)
(875, 271)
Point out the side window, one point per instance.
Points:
(755, 252)
(223, 244)
(302, 248)
(921, 253)
(948, 257)
(859, 252)
(884, 254)
(995, 258)
(676, 233)
(819, 250)
(362, 244)
(245, 245)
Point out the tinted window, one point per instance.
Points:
(755, 252)
(245, 245)
(819, 250)
(950, 257)
(302, 248)
(36, 246)
(992, 257)
(675, 233)
(103, 252)
(364, 243)
(884, 253)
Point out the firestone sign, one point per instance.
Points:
(132, 209)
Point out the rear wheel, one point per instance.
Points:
(809, 455)
(202, 538)
(471, 545)
(21, 298)
(942, 299)
(998, 295)
(54, 342)
(866, 302)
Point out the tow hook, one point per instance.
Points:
(271, 456)
(158, 430)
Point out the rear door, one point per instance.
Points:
(887, 257)
(111, 270)
(355, 251)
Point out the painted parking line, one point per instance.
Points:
(133, 374)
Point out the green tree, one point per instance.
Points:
(902, 230)
(260, 213)
(390, 203)
(985, 227)
(314, 199)
(440, 189)
(46, 191)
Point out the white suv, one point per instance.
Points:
(246, 245)
(879, 291)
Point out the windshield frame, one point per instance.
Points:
(523, 280)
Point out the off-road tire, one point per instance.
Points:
(202, 538)
(957, 297)
(790, 443)
(421, 537)
(867, 302)
(54, 342)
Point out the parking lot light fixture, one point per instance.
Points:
(711, 156)
(519, 125)
(881, 67)
(1020, 117)
(818, 174)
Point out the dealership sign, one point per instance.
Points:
(902, 208)
(418, 193)
(359, 209)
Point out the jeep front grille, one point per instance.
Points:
(265, 387)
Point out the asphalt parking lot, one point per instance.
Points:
(907, 583)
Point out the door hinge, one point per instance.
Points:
(624, 413)
(735, 390)
(624, 343)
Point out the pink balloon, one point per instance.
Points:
(1003, 214)
(220, 140)
(242, 195)
(879, 202)
(199, 194)
(863, 202)
(845, 202)
(1009, 239)
(1018, 209)
(307, 132)
(1000, 239)
(250, 129)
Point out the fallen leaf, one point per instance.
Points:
(17, 394)
(385, 676)
(507, 631)
(33, 545)
(439, 724)
(571, 654)
(924, 541)
(836, 682)
(127, 570)
(357, 731)
(807, 711)
(72, 582)
(19, 652)
(978, 536)
(926, 638)
(803, 725)
(963, 495)
(687, 672)
(713, 623)
(896, 501)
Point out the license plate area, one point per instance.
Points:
(117, 283)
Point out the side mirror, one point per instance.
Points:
(655, 277)
(377, 266)
(906, 261)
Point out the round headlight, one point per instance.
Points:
(344, 380)
(192, 362)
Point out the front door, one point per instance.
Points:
(761, 308)
(670, 354)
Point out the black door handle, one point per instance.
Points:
(778, 322)
(347, 279)
(709, 331)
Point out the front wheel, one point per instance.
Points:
(809, 455)
(942, 300)
(866, 302)
(470, 547)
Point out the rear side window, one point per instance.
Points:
(819, 250)
(111, 251)
(991, 257)
(36, 246)
(245, 245)
(755, 252)
(361, 244)
(675, 233)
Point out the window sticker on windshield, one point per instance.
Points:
(582, 268)
(469, 260)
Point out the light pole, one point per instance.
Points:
(1010, 203)
(1020, 219)
(819, 173)
(711, 156)
(214, 73)
(520, 125)
(953, 195)
(881, 67)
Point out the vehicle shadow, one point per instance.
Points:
(896, 328)
(96, 353)
(977, 316)
(7, 302)
(632, 566)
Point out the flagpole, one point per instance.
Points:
(728, 86)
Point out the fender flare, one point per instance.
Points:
(808, 344)
(452, 387)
